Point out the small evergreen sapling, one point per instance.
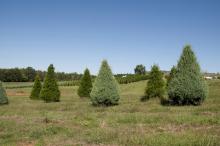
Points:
(156, 84)
(85, 86)
(35, 93)
(50, 91)
(3, 96)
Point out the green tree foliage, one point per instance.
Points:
(130, 78)
(140, 69)
(3, 96)
(85, 86)
(171, 75)
(30, 74)
(155, 85)
(35, 93)
(105, 89)
(50, 91)
(188, 85)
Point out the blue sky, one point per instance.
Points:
(75, 34)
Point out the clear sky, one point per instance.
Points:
(75, 34)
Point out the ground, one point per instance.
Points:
(74, 121)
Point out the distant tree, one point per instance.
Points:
(85, 86)
(155, 85)
(3, 96)
(105, 90)
(35, 93)
(50, 91)
(30, 73)
(140, 69)
(188, 85)
(171, 75)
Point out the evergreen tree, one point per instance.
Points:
(155, 85)
(3, 96)
(85, 86)
(188, 85)
(35, 93)
(105, 90)
(50, 91)
(171, 75)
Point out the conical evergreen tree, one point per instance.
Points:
(3, 96)
(105, 89)
(35, 93)
(50, 91)
(155, 85)
(188, 85)
(85, 86)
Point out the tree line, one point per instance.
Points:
(28, 75)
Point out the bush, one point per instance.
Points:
(155, 85)
(85, 86)
(188, 85)
(35, 93)
(131, 78)
(3, 96)
(50, 91)
(105, 90)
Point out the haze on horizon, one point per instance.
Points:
(77, 34)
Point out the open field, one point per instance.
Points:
(74, 121)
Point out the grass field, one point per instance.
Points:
(74, 121)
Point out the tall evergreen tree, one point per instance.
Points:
(155, 85)
(50, 91)
(105, 90)
(85, 86)
(35, 93)
(188, 85)
(3, 96)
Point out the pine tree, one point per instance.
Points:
(85, 86)
(188, 85)
(35, 93)
(155, 85)
(105, 90)
(50, 91)
(171, 75)
(3, 96)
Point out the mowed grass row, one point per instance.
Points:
(74, 121)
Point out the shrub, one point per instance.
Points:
(155, 85)
(187, 86)
(35, 93)
(50, 91)
(105, 90)
(85, 86)
(131, 78)
(3, 96)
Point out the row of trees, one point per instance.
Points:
(185, 85)
(28, 75)
(49, 92)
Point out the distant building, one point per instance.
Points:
(208, 78)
